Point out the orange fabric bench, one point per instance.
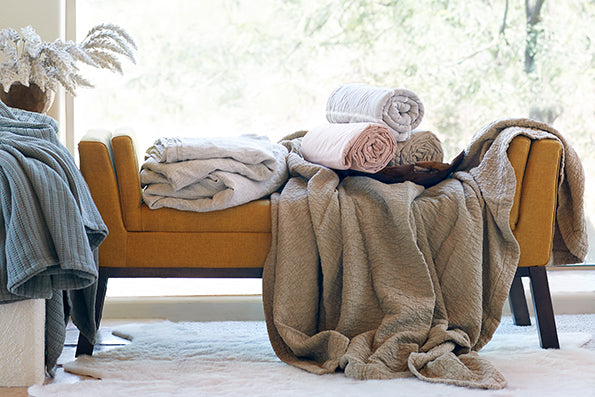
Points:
(234, 242)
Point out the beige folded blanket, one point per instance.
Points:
(398, 108)
(366, 147)
(422, 146)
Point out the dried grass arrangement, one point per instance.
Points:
(27, 60)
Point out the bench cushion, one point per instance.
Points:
(250, 217)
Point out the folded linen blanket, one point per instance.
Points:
(394, 280)
(50, 227)
(366, 147)
(208, 174)
(422, 146)
(398, 108)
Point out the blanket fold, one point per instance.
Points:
(50, 228)
(398, 108)
(392, 280)
(208, 174)
(365, 147)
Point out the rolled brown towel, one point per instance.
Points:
(422, 146)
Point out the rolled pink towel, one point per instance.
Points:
(366, 147)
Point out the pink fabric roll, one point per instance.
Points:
(366, 147)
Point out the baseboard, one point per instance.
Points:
(186, 308)
(565, 303)
(249, 307)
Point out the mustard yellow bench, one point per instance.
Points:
(234, 242)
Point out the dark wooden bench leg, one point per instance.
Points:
(544, 311)
(84, 345)
(518, 302)
(542, 304)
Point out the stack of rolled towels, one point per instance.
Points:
(369, 129)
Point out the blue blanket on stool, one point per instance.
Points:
(50, 228)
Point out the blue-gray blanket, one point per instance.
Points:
(50, 228)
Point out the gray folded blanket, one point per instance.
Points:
(208, 174)
(422, 146)
(398, 108)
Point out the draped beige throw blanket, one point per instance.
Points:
(389, 280)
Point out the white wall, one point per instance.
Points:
(47, 18)
(44, 15)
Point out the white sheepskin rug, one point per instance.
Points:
(235, 359)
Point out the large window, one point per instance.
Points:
(267, 67)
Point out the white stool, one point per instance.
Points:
(22, 336)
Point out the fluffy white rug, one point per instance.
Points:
(235, 358)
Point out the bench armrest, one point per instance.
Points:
(537, 169)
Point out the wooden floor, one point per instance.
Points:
(105, 340)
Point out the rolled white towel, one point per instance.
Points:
(398, 108)
(366, 147)
(421, 146)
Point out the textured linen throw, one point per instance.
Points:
(422, 146)
(50, 228)
(208, 174)
(366, 147)
(394, 280)
(398, 108)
